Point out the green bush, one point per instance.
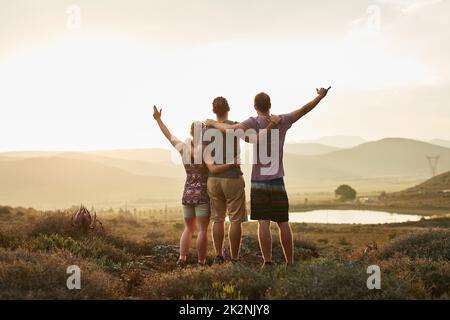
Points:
(345, 192)
(221, 291)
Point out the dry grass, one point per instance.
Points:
(42, 275)
(134, 258)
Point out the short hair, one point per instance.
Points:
(262, 102)
(220, 106)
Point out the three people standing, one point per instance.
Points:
(222, 188)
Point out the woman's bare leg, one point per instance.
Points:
(186, 237)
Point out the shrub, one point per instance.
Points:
(220, 291)
(425, 274)
(326, 279)
(94, 248)
(34, 275)
(54, 223)
(9, 241)
(345, 192)
(433, 244)
(217, 282)
(316, 279)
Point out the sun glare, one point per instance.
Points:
(95, 91)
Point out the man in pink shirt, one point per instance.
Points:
(268, 197)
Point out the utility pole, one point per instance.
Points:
(433, 161)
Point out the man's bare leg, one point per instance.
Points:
(218, 234)
(202, 239)
(235, 235)
(265, 239)
(286, 241)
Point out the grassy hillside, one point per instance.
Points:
(438, 184)
(433, 193)
(134, 257)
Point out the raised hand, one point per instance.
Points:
(322, 92)
(156, 113)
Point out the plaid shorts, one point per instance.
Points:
(269, 201)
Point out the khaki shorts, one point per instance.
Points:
(227, 194)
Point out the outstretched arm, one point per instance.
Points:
(297, 114)
(223, 126)
(217, 168)
(274, 120)
(172, 139)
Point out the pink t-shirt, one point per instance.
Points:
(261, 122)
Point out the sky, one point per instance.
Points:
(84, 75)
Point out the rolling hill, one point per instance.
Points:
(308, 149)
(59, 182)
(338, 141)
(150, 155)
(438, 184)
(440, 142)
(147, 175)
(152, 166)
(391, 157)
(434, 193)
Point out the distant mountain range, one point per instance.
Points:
(440, 142)
(337, 141)
(391, 157)
(146, 176)
(308, 149)
(53, 181)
